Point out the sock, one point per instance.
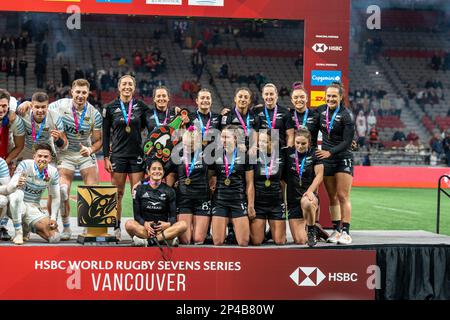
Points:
(4, 222)
(310, 229)
(18, 227)
(337, 225)
(66, 222)
(346, 227)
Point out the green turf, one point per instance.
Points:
(374, 209)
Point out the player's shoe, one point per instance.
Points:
(138, 242)
(4, 235)
(18, 238)
(334, 237)
(321, 234)
(55, 238)
(345, 238)
(66, 234)
(118, 234)
(312, 238)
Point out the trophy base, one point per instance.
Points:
(97, 236)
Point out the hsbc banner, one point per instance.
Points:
(72, 273)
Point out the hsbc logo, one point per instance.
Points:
(313, 276)
(307, 276)
(322, 47)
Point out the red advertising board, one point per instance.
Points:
(71, 273)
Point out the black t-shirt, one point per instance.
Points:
(283, 121)
(161, 117)
(157, 204)
(237, 188)
(268, 196)
(124, 144)
(291, 176)
(340, 139)
(198, 189)
(311, 123)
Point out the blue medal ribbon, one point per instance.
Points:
(158, 124)
(229, 169)
(201, 123)
(330, 124)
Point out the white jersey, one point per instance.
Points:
(92, 121)
(36, 185)
(52, 120)
(4, 173)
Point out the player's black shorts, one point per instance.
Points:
(231, 209)
(193, 206)
(333, 166)
(127, 165)
(295, 212)
(276, 211)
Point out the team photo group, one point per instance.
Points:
(224, 178)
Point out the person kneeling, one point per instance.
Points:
(34, 176)
(154, 208)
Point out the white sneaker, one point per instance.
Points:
(334, 237)
(345, 238)
(139, 242)
(18, 238)
(66, 234)
(118, 234)
(55, 238)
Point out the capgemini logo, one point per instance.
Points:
(307, 276)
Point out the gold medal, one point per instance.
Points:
(204, 142)
(78, 135)
(227, 182)
(267, 183)
(187, 181)
(300, 181)
(128, 129)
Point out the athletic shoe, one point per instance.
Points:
(152, 242)
(138, 242)
(231, 238)
(66, 234)
(18, 238)
(55, 238)
(4, 235)
(118, 234)
(312, 238)
(321, 234)
(174, 242)
(334, 237)
(267, 236)
(345, 238)
(208, 240)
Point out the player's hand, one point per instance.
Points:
(22, 180)
(177, 110)
(55, 134)
(185, 119)
(108, 165)
(52, 225)
(23, 108)
(323, 154)
(309, 195)
(242, 147)
(224, 111)
(161, 226)
(251, 213)
(149, 229)
(85, 151)
(354, 145)
(253, 151)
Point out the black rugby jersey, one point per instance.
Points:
(161, 116)
(157, 204)
(291, 176)
(271, 195)
(340, 139)
(312, 123)
(124, 144)
(198, 187)
(283, 121)
(237, 188)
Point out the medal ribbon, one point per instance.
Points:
(208, 124)
(78, 125)
(298, 168)
(268, 170)
(305, 118)
(190, 168)
(158, 124)
(43, 175)
(126, 117)
(246, 127)
(330, 124)
(229, 169)
(272, 123)
(33, 128)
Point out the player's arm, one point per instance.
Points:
(318, 171)
(106, 128)
(54, 191)
(349, 132)
(250, 193)
(137, 206)
(18, 131)
(97, 137)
